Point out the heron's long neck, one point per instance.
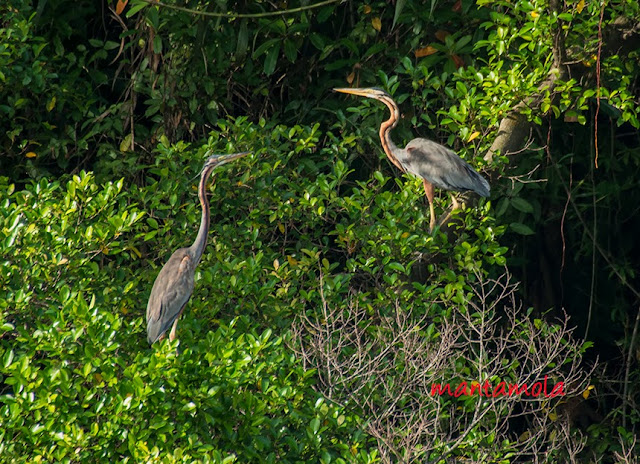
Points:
(389, 147)
(197, 249)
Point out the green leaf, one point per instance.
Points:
(264, 47)
(243, 39)
(502, 206)
(338, 64)
(375, 49)
(399, 7)
(157, 45)
(315, 425)
(271, 60)
(135, 6)
(461, 88)
(8, 358)
(521, 204)
(317, 41)
(7, 327)
(324, 13)
(464, 40)
(149, 235)
(290, 50)
(396, 267)
(111, 45)
(521, 229)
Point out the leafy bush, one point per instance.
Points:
(79, 384)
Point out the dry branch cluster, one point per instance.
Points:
(385, 364)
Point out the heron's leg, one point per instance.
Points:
(172, 335)
(432, 220)
(428, 190)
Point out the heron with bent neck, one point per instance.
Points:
(436, 165)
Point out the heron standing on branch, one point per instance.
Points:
(174, 285)
(436, 165)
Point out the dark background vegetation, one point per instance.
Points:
(317, 243)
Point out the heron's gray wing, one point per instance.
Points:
(443, 168)
(171, 291)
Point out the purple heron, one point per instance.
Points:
(174, 285)
(436, 165)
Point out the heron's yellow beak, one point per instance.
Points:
(371, 93)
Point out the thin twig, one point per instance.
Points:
(595, 237)
(242, 15)
(625, 392)
(598, 90)
(602, 252)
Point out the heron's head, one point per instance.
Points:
(371, 92)
(218, 160)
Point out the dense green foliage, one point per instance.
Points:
(108, 117)
(79, 370)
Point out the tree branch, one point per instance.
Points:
(243, 15)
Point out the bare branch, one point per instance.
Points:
(390, 365)
(242, 15)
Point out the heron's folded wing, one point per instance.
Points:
(171, 291)
(444, 168)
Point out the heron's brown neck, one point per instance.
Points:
(385, 132)
(197, 249)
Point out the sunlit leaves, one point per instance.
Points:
(473, 136)
(125, 145)
(136, 6)
(376, 23)
(425, 51)
(89, 314)
(587, 391)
